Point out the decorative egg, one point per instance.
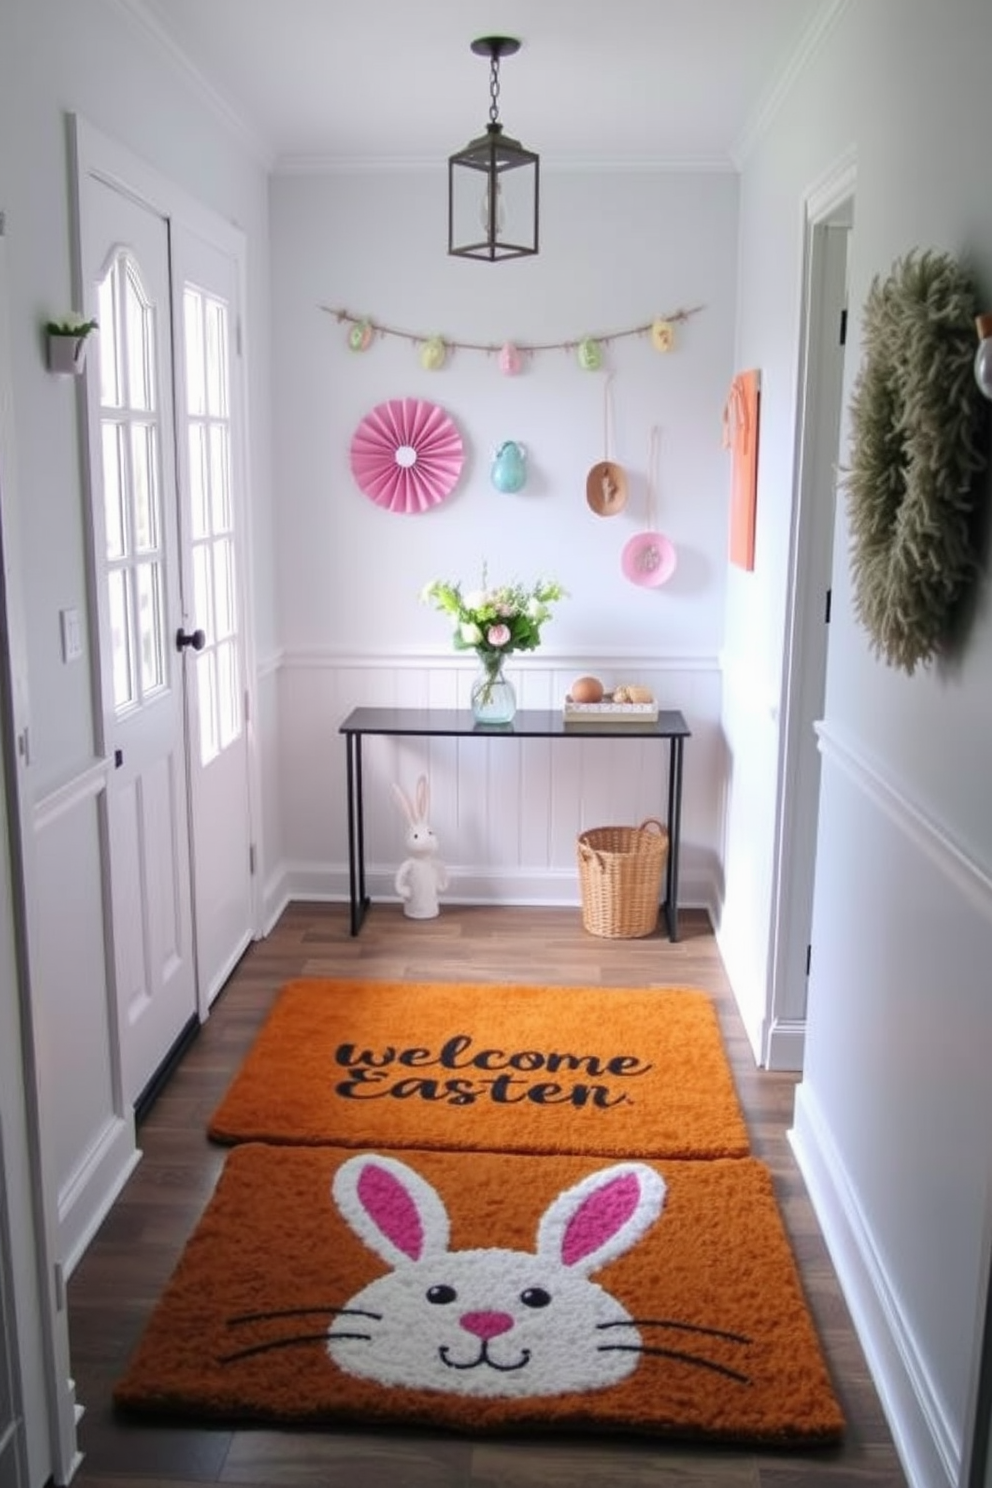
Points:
(360, 336)
(432, 354)
(509, 467)
(590, 355)
(510, 359)
(586, 690)
(662, 335)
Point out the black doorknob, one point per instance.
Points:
(194, 638)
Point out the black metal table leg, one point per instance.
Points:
(356, 833)
(674, 830)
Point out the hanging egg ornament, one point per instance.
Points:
(662, 335)
(360, 336)
(590, 354)
(432, 354)
(510, 360)
(509, 467)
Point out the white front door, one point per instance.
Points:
(211, 482)
(124, 249)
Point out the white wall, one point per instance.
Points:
(617, 250)
(895, 1106)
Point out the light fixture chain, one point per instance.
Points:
(494, 89)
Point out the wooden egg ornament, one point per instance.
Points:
(432, 354)
(590, 355)
(360, 336)
(510, 360)
(662, 335)
(586, 690)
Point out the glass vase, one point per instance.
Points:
(493, 697)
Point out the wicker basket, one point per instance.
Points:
(620, 873)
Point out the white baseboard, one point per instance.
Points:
(930, 1456)
(328, 883)
(86, 1198)
(786, 1045)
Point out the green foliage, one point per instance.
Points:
(495, 620)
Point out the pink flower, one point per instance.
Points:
(498, 635)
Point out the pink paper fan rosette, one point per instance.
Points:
(648, 559)
(406, 455)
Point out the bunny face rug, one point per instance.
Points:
(483, 1292)
(491, 1321)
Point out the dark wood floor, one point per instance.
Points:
(118, 1280)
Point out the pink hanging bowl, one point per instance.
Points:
(406, 455)
(648, 559)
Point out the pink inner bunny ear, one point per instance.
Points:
(391, 1208)
(599, 1217)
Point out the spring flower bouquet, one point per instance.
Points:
(494, 621)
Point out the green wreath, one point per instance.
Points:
(918, 437)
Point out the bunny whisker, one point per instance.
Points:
(682, 1358)
(260, 1317)
(675, 1323)
(281, 1343)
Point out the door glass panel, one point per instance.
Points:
(198, 481)
(110, 378)
(203, 590)
(223, 588)
(113, 489)
(139, 343)
(134, 575)
(120, 637)
(144, 465)
(196, 396)
(207, 327)
(227, 694)
(220, 484)
(150, 625)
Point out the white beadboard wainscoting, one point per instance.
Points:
(901, 1023)
(506, 812)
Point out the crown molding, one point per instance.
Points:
(816, 33)
(141, 18)
(359, 165)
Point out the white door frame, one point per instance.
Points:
(29, 1168)
(827, 220)
(105, 158)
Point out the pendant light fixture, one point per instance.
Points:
(493, 184)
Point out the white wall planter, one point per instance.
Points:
(66, 354)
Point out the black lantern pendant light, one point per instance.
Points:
(493, 184)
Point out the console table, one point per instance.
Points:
(459, 723)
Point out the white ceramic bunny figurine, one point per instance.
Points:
(421, 877)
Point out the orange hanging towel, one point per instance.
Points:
(740, 435)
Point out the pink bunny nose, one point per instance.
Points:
(486, 1324)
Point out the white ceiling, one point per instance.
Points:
(325, 82)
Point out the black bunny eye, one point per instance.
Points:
(441, 1294)
(535, 1297)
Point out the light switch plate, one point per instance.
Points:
(72, 635)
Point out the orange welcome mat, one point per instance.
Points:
(483, 1291)
(492, 1068)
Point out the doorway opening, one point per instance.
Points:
(829, 214)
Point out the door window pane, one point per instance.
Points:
(113, 489)
(144, 465)
(134, 575)
(207, 328)
(120, 638)
(149, 592)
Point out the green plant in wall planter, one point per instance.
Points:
(67, 341)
